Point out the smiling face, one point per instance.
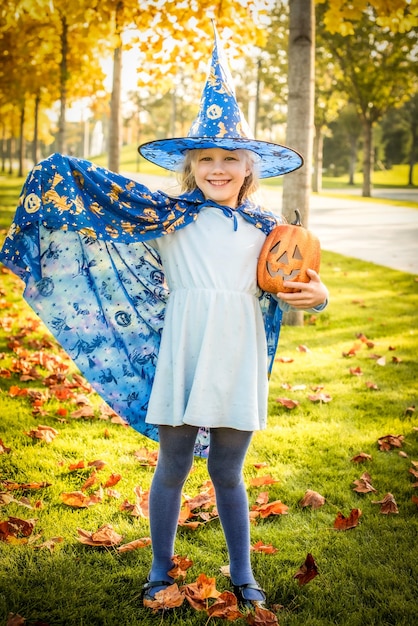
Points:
(220, 174)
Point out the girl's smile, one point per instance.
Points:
(220, 174)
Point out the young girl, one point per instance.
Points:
(155, 299)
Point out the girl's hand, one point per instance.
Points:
(309, 296)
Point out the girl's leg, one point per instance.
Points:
(227, 452)
(175, 459)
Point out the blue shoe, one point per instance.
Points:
(239, 591)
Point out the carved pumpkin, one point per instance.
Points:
(289, 250)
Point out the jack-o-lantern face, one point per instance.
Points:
(288, 252)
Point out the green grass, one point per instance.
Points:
(367, 575)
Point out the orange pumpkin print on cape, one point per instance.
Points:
(288, 252)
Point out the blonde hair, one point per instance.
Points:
(188, 181)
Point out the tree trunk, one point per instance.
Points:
(300, 115)
(21, 140)
(412, 154)
(115, 117)
(63, 87)
(353, 160)
(318, 149)
(368, 158)
(35, 147)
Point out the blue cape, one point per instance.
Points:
(79, 242)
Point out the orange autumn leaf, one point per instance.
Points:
(112, 480)
(307, 571)
(91, 480)
(313, 499)
(263, 480)
(345, 523)
(15, 527)
(284, 359)
(135, 545)
(168, 598)
(198, 593)
(49, 544)
(355, 371)
(263, 497)
(260, 465)
(363, 484)
(320, 397)
(265, 549)
(225, 607)
(388, 504)
(272, 508)
(415, 500)
(80, 500)
(104, 536)
(78, 465)
(180, 566)
(15, 391)
(146, 457)
(9, 485)
(261, 617)
(14, 619)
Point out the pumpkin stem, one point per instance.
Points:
(298, 221)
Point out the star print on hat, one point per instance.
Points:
(221, 124)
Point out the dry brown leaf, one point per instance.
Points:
(355, 371)
(49, 544)
(361, 457)
(135, 545)
(91, 480)
(15, 527)
(313, 499)
(320, 397)
(288, 402)
(146, 457)
(104, 536)
(77, 465)
(3, 448)
(46, 433)
(14, 619)
(263, 497)
(261, 617)
(363, 484)
(388, 504)
(307, 571)
(225, 607)
(180, 566)
(345, 523)
(272, 508)
(390, 441)
(168, 598)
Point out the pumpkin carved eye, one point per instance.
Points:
(288, 252)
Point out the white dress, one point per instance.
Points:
(212, 364)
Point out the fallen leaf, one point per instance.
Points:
(313, 499)
(388, 504)
(91, 480)
(135, 545)
(180, 566)
(46, 433)
(14, 619)
(3, 449)
(77, 465)
(303, 348)
(288, 402)
(261, 617)
(272, 508)
(361, 457)
(168, 598)
(265, 549)
(112, 480)
(225, 607)
(16, 527)
(12, 486)
(390, 441)
(49, 544)
(355, 371)
(258, 481)
(320, 397)
(371, 385)
(80, 500)
(104, 536)
(307, 571)
(345, 523)
(363, 484)
(146, 457)
(198, 593)
(284, 359)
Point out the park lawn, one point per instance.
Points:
(367, 575)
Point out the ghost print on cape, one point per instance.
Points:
(79, 242)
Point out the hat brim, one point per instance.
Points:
(273, 159)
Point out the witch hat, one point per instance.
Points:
(221, 124)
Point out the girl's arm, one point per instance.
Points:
(311, 295)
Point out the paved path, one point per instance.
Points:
(369, 230)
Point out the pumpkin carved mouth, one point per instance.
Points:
(288, 252)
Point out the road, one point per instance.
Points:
(373, 231)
